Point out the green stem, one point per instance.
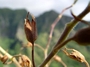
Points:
(64, 35)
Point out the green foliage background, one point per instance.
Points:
(12, 36)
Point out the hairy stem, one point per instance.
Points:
(10, 57)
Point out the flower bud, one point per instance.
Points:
(30, 29)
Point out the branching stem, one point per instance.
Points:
(10, 57)
(61, 42)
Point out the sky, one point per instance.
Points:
(38, 7)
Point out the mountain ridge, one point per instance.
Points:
(12, 36)
(11, 19)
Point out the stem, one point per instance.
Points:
(63, 63)
(56, 21)
(77, 18)
(64, 35)
(40, 47)
(52, 29)
(10, 57)
(72, 24)
(45, 54)
(87, 64)
(53, 52)
(33, 56)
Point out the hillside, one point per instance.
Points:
(11, 20)
(12, 34)
(45, 20)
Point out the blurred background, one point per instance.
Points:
(12, 36)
